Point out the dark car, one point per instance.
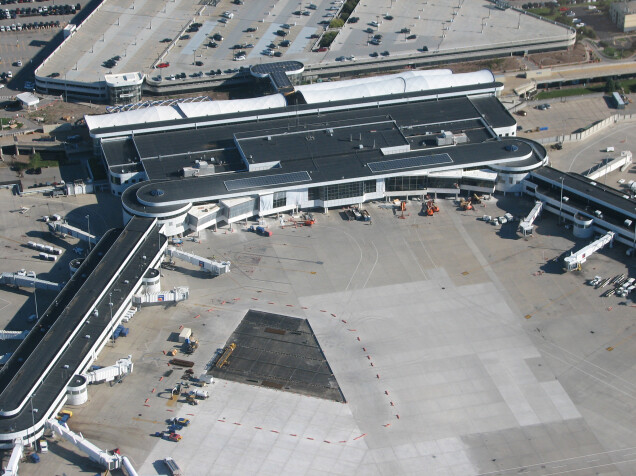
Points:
(184, 37)
(285, 43)
(212, 44)
(54, 75)
(354, 19)
(198, 63)
(217, 37)
(166, 40)
(411, 37)
(282, 33)
(250, 30)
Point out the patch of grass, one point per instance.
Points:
(37, 161)
(561, 93)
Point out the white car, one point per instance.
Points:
(44, 446)
(239, 58)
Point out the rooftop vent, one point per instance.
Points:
(156, 192)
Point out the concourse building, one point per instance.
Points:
(197, 165)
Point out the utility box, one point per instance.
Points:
(186, 332)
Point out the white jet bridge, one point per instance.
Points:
(22, 281)
(214, 267)
(107, 374)
(99, 456)
(65, 228)
(576, 259)
(526, 226)
(175, 295)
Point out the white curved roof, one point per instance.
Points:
(211, 108)
(330, 85)
(408, 81)
(137, 116)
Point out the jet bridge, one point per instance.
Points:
(214, 267)
(526, 225)
(99, 456)
(576, 259)
(22, 281)
(65, 228)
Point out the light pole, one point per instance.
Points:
(35, 300)
(110, 304)
(33, 412)
(561, 203)
(88, 221)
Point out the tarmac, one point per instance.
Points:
(461, 349)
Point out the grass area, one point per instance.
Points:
(38, 161)
(628, 85)
(561, 93)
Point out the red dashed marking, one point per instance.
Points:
(303, 307)
(322, 310)
(209, 310)
(309, 438)
(146, 405)
(237, 424)
(352, 330)
(369, 357)
(153, 390)
(223, 302)
(258, 427)
(274, 431)
(197, 316)
(293, 434)
(222, 421)
(387, 425)
(342, 441)
(146, 400)
(254, 299)
(161, 378)
(361, 436)
(181, 327)
(326, 441)
(169, 410)
(271, 303)
(237, 299)
(289, 305)
(334, 315)
(358, 338)
(190, 414)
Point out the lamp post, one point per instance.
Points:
(88, 221)
(110, 304)
(561, 203)
(33, 412)
(35, 300)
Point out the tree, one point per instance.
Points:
(611, 85)
(336, 23)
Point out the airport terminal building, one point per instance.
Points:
(196, 165)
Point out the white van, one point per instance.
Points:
(609, 149)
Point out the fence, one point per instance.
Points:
(593, 129)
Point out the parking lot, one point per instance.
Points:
(460, 348)
(25, 37)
